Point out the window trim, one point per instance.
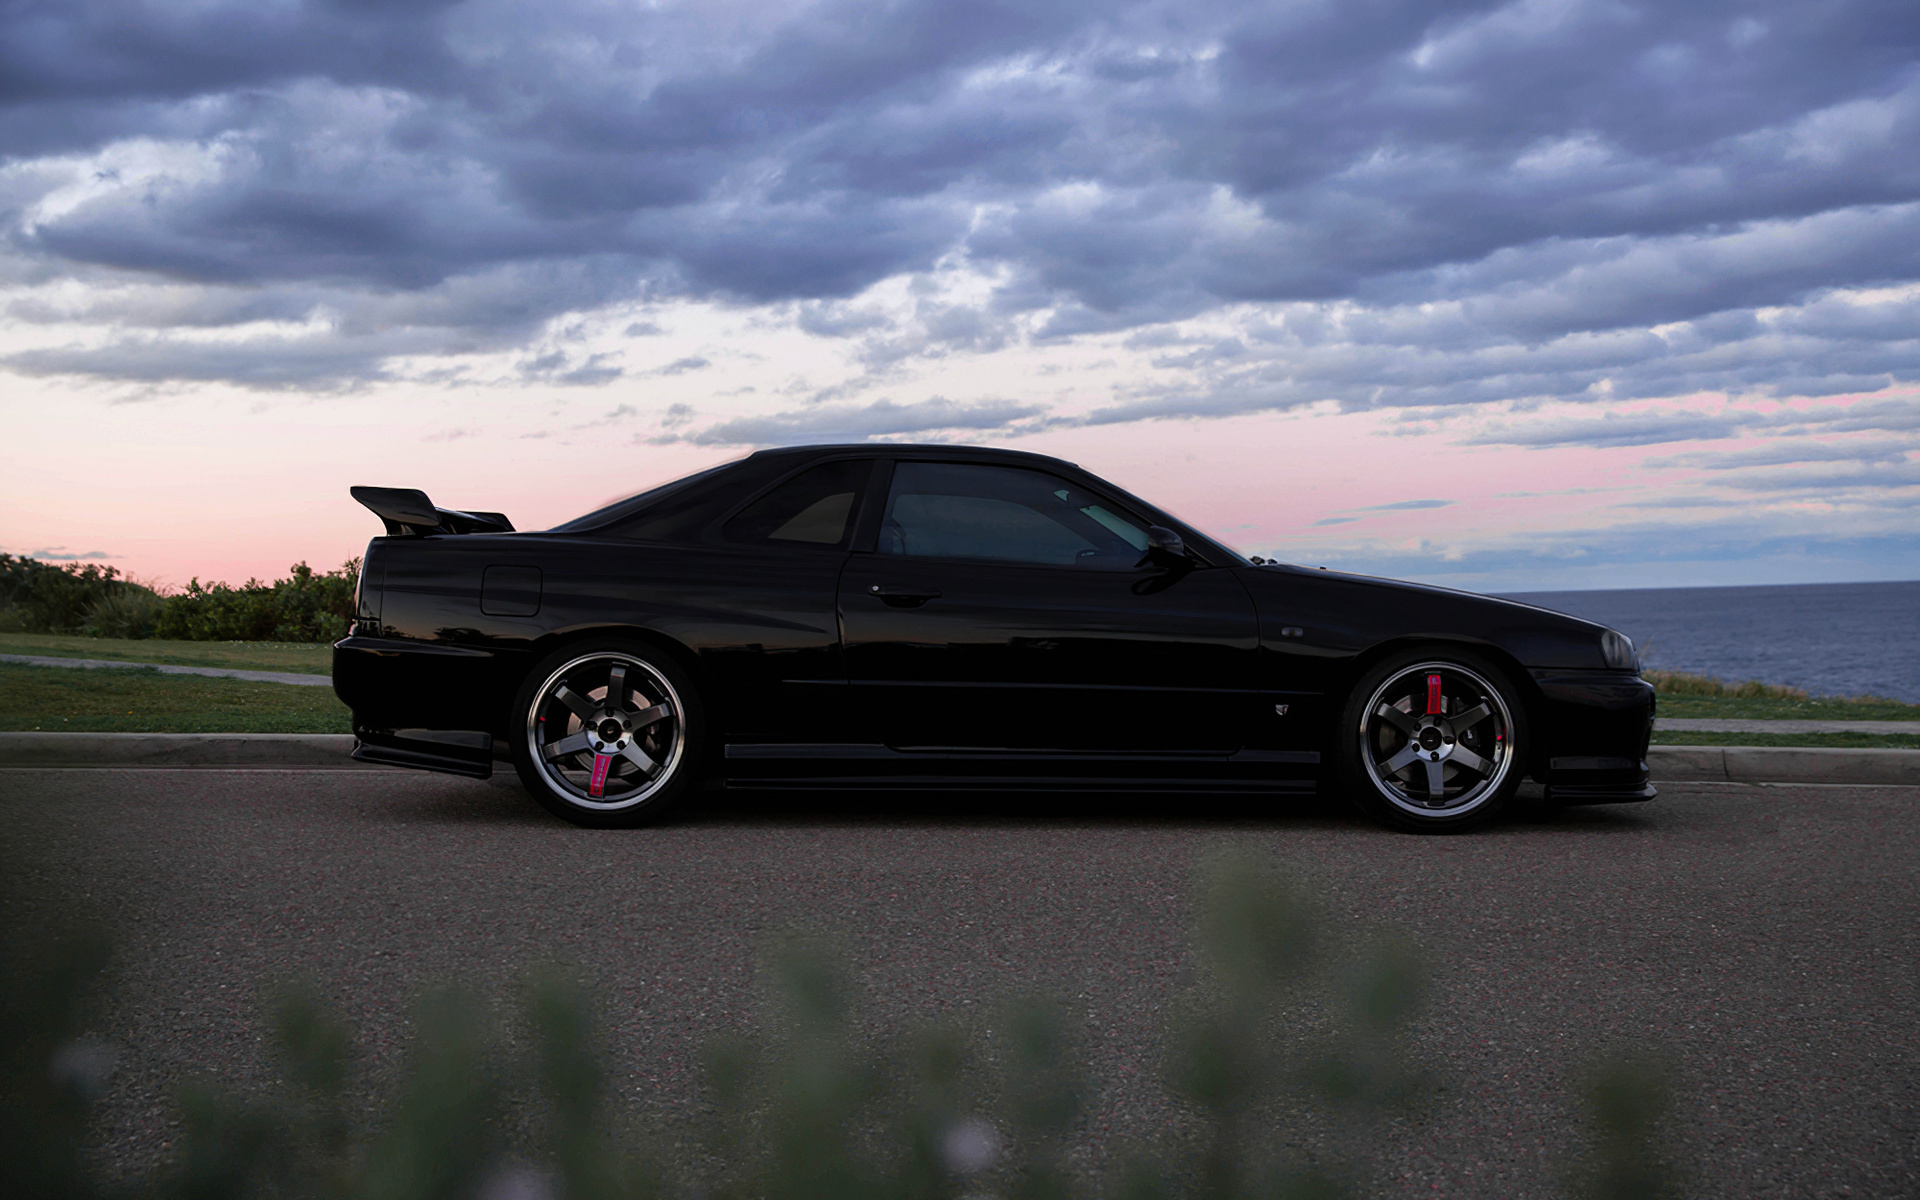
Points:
(866, 534)
(717, 531)
(868, 539)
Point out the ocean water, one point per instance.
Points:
(1833, 639)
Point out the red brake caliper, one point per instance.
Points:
(600, 764)
(1433, 695)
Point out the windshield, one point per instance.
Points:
(635, 503)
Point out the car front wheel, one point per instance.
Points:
(604, 735)
(1431, 741)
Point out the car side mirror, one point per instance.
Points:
(1165, 547)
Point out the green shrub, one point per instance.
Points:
(38, 597)
(304, 607)
(1287, 1031)
(1680, 683)
(307, 606)
(131, 612)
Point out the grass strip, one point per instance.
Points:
(1839, 741)
(130, 700)
(1787, 710)
(1685, 695)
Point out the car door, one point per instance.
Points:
(1007, 608)
(765, 616)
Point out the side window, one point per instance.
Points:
(1004, 514)
(675, 518)
(814, 508)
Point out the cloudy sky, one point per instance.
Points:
(1550, 293)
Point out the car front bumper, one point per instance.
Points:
(1595, 727)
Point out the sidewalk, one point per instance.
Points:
(43, 660)
(302, 751)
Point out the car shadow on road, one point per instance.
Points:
(1325, 810)
(501, 800)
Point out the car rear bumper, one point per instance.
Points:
(424, 705)
(395, 682)
(450, 752)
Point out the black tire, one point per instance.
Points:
(605, 783)
(1401, 734)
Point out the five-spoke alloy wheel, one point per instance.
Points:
(1431, 741)
(605, 734)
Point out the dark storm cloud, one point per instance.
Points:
(1787, 426)
(267, 364)
(1880, 479)
(1407, 504)
(855, 423)
(1622, 429)
(1399, 506)
(1596, 556)
(1501, 199)
(1874, 452)
(62, 554)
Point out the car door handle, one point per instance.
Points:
(902, 597)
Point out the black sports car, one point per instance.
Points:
(934, 616)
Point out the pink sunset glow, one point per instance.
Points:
(1654, 326)
(247, 490)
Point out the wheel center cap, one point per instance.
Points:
(610, 730)
(1434, 741)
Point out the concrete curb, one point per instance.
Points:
(304, 750)
(1782, 764)
(1671, 764)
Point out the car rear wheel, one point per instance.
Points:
(1431, 741)
(604, 734)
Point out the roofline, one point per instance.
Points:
(910, 449)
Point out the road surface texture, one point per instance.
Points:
(1766, 938)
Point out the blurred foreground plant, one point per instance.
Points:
(1625, 1096)
(1289, 1039)
(50, 1075)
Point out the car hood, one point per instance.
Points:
(1351, 613)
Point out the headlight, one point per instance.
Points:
(1617, 649)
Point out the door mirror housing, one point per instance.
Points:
(1165, 548)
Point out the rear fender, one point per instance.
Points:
(682, 655)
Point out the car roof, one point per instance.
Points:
(776, 461)
(908, 450)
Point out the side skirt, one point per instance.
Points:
(857, 766)
(1027, 783)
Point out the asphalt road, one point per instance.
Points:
(1765, 938)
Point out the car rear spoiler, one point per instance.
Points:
(408, 511)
